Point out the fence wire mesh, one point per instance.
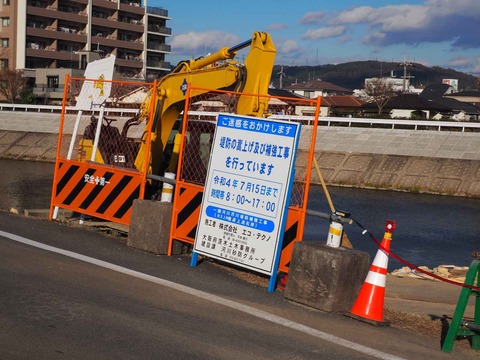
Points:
(121, 130)
(203, 108)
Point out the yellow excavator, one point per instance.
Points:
(216, 71)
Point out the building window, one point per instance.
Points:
(6, 2)
(83, 62)
(3, 84)
(3, 63)
(52, 82)
(5, 43)
(5, 22)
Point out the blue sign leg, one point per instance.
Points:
(272, 284)
(194, 260)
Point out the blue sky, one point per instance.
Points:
(432, 32)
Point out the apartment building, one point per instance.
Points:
(48, 38)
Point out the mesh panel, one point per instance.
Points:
(202, 111)
(95, 172)
(121, 130)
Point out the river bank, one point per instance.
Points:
(369, 170)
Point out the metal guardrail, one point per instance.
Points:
(58, 109)
(389, 123)
(306, 120)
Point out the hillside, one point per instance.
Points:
(352, 75)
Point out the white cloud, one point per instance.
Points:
(313, 18)
(201, 42)
(276, 27)
(288, 47)
(355, 15)
(460, 62)
(389, 18)
(374, 37)
(323, 33)
(449, 7)
(452, 21)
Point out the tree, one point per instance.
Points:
(12, 84)
(380, 91)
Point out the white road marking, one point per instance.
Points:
(209, 297)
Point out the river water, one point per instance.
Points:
(431, 230)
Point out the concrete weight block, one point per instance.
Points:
(326, 278)
(150, 227)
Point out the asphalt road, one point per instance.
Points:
(69, 293)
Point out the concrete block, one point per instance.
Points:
(150, 227)
(326, 278)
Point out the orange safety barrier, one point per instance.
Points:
(201, 109)
(95, 171)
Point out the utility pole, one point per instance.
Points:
(405, 64)
(281, 75)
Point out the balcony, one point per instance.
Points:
(157, 29)
(132, 7)
(106, 4)
(115, 43)
(157, 11)
(159, 47)
(51, 33)
(137, 64)
(57, 14)
(50, 54)
(156, 64)
(113, 24)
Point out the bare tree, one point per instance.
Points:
(380, 91)
(12, 84)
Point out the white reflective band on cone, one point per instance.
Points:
(376, 279)
(381, 259)
(167, 190)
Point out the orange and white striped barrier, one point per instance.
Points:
(369, 304)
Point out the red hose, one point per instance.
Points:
(475, 288)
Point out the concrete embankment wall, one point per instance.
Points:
(417, 161)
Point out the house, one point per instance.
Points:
(341, 106)
(280, 102)
(315, 88)
(461, 111)
(472, 97)
(410, 106)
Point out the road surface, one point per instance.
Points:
(70, 293)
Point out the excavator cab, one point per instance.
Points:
(114, 147)
(199, 139)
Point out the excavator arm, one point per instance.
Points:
(216, 71)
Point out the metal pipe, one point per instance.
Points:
(333, 217)
(318, 214)
(472, 326)
(240, 46)
(161, 178)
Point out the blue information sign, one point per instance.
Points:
(247, 192)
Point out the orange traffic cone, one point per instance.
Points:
(369, 304)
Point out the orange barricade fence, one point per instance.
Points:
(201, 110)
(96, 172)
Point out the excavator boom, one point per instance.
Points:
(215, 71)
